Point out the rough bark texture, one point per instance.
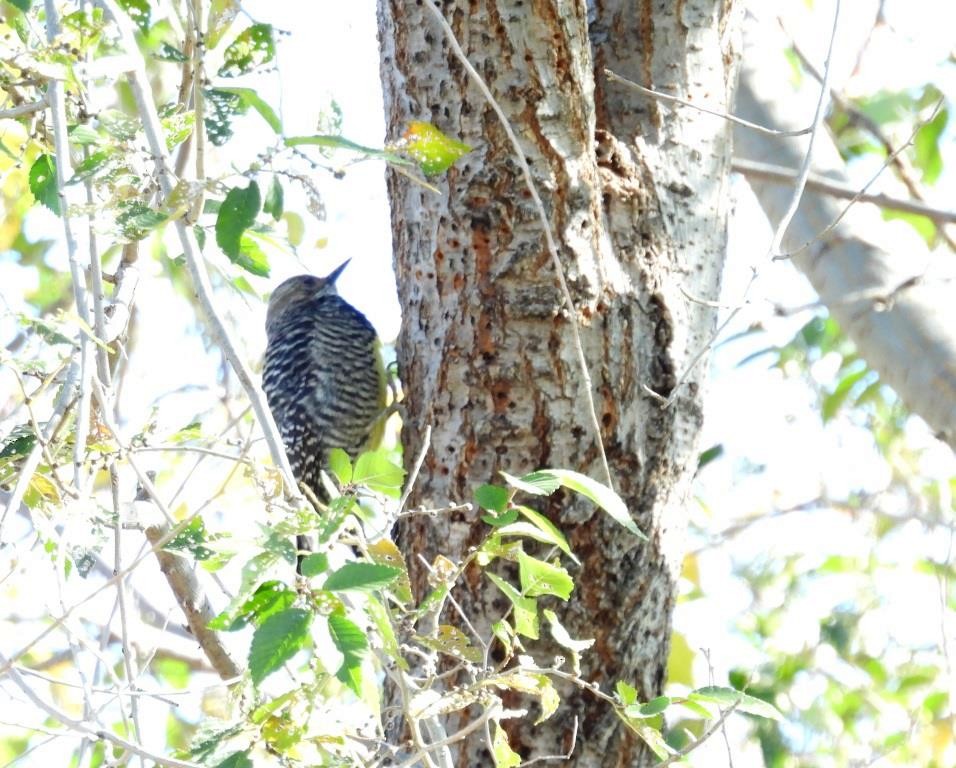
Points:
(894, 302)
(637, 198)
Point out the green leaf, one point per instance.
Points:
(83, 135)
(89, 167)
(926, 147)
(655, 706)
(177, 128)
(362, 577)
(431, 149)
(273, 204)
(501, 751)
(43, 182)
(650, 735)
(221, 15)
(251, 257)
(118, 124)
(23, 5)
(504, 519)
(352, 643)
(192, 539)
(168, 52)
(236, 214)
(221, 107)
(19, 443)
(269, 598)
(236, 760)
(540, 485)
(548, 532)
(314, 564)
(136, 220)
(626, 692)
(252, 48)
(833, 401)
(925, 227)
(138, 11)
(525, 608)
(711, 454)
(540, 578)
(376, 470)
(726, 697)
(600, 494)
(452, 642)
(277, 640)
(386, 631)
(492, 497)
(340, 466)
(250, 98)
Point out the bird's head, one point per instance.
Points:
(301, 289)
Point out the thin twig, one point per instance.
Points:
(142, 95)
(780, 229)
(489, 714)
(85, 729)
(615, 78)
(479, 82)
(717, 724)
(857, 117)
(122, 598)
(804, 172)
(556, 758)
(886, 164)
(78, 261)
(765, 171)
(419, 460)
(62, 404)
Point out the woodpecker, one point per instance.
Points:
(323, 375)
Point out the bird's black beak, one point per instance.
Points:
(334, 274)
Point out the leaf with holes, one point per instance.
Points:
(252, 48)
(452, 642)
(43, 182)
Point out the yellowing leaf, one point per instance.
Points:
(431, 149)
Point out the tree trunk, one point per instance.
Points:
(894, 302)
(637, 198)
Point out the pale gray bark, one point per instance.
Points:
(637, 198)
(890, 295)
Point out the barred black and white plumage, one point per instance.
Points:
(323, 375)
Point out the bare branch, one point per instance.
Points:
(142, 95)
(764, 171)
(23, 109)
(804, 172)
(83, 728)
(193, 601)
(615, 78)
